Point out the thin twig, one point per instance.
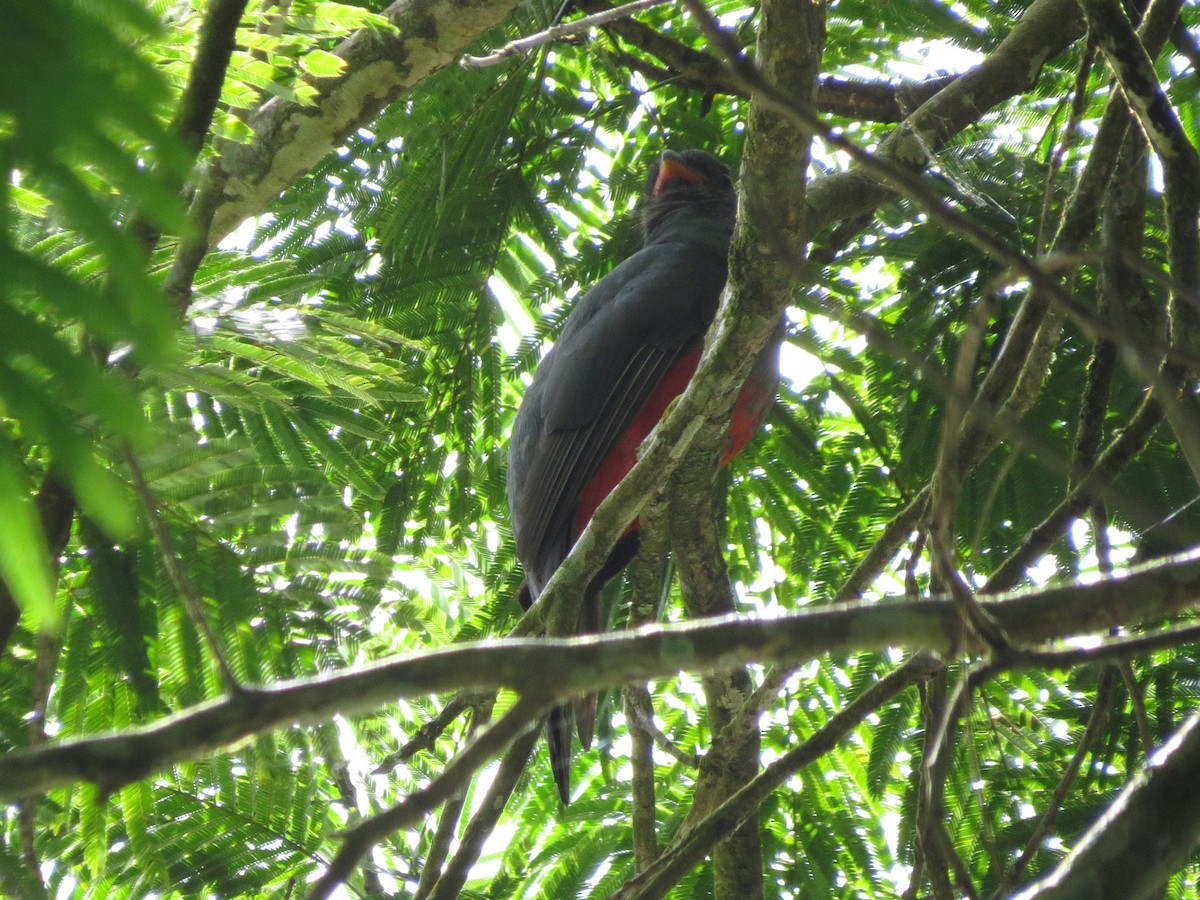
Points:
(1122, 450)
(198, 102)
(1079, 99)
(1108, 650)
(1143, 837)
(684, 855)
(1137, 702)
(1134, 70)
(427, 734)
(555, 33)
(979, 791)
(947, 481)
(645, 721)
(648, 582)
(639, 713)
(856, 98)
(1050, 814)
(483, 823)
(941, 857)
(179, 576)
(359, 840)
(443, 837)
(335, 762)
(936, 768)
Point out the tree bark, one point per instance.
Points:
(290, 138)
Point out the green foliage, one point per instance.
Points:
(324, 436)
(79, 130)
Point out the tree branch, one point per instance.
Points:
(1091, 732)
(851, 97)
(1134, 70)
(773, 179)
(358, 841)
(556, 33)
(567, 667)
(179, 576)
(1011, 367)
(290, 138)
(1144, 836)
(649, 580)
(685, 855)
(447, 824)
(433, 33)
(1047, 28)
(427, 734)
(483, 823)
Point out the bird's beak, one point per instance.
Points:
(671, 167)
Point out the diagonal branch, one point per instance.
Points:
(450, 883)
(1091, 732)
(557, 33)
(684, 856)
(358, 841)
(1013, 367)
(1145, 835)
(290, 138)
(851, 97)
(1135, 73)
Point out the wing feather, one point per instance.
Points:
(619, 342)
(567, 460)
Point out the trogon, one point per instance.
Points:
(628, 348)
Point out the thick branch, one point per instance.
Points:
(432, 33)
(568, 667)
(218, 37)
(290, 138)
(1046, 29)
(773, 179)
(1147, 833)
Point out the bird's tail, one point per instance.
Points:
(559, 727)
(585, 719)
(563, 720)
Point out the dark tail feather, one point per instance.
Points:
(590, 622)
(558, 737)
(585, 719)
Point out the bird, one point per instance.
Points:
(628, 348)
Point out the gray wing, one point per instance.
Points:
(619, 341)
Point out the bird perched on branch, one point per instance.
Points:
(629, 347)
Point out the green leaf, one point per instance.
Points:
(24, 556)
(321, 64)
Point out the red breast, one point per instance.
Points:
(748, 413)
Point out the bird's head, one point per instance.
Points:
(687, 192)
